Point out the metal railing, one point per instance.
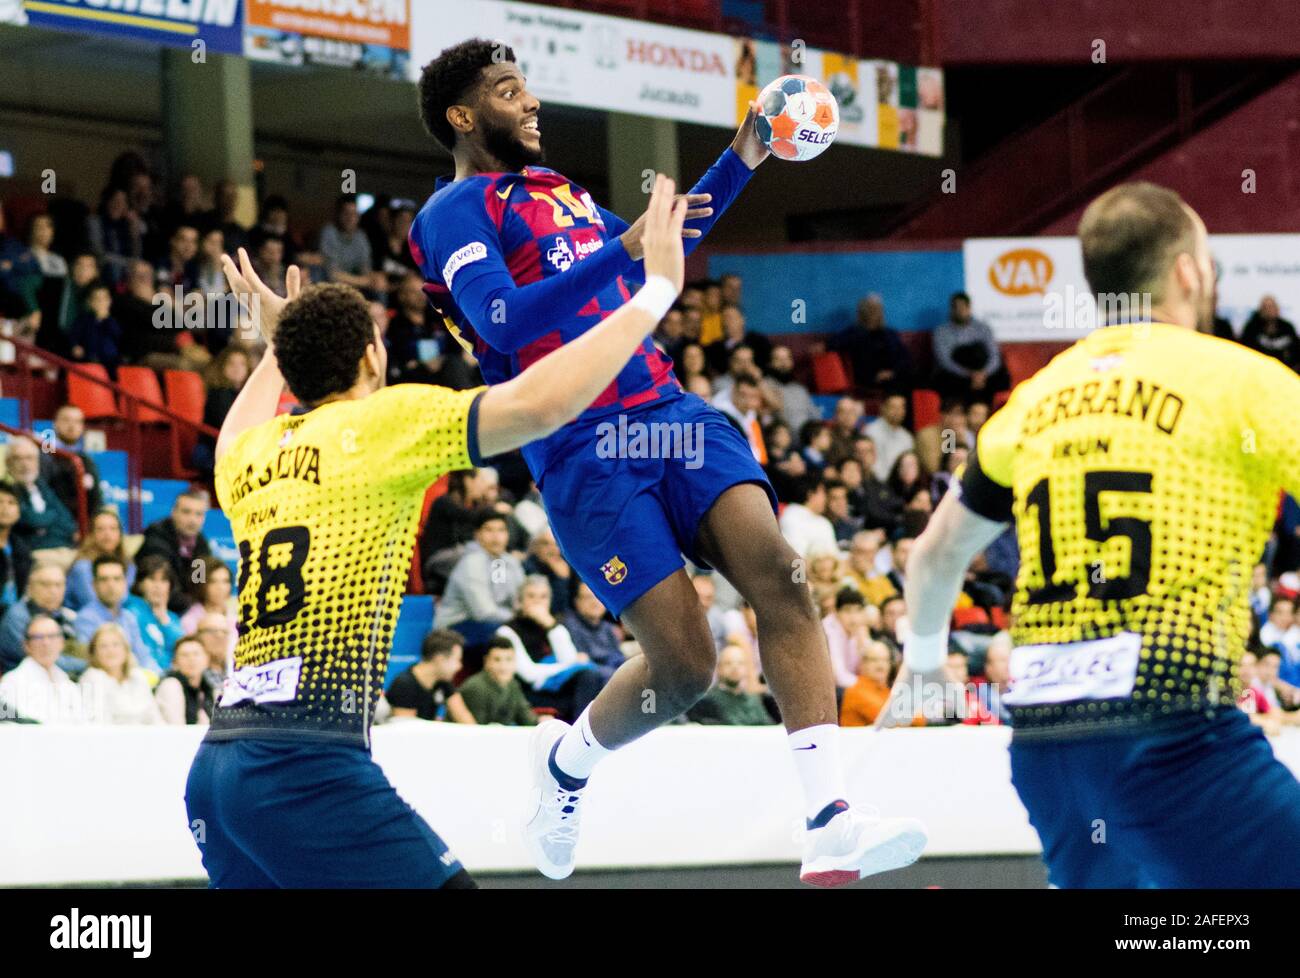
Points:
(30, 360)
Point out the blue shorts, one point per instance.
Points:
(623, 513)
(1205, 806)
(307, 814)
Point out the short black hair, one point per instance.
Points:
(1130, 236)
(849, 597)
(959, 295)
(103, 559)
(342, 200)
(321, 338)
(806, 486)
(9, 489)
(500, 642)
(1267, 650)
(448, 78)
(440, 641)
(485, 516)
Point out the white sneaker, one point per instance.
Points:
(853, 845)
(554, 812)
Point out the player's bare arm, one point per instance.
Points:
(260, 396)
(558, 387)
(935, 571)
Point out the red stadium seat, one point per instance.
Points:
(966, 617)
(1000, 398)
(143, 383)
(831, 374)
(415, 579)
(186, 395)
(96, 401)
(925, 408)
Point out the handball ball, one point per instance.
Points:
(798, 117)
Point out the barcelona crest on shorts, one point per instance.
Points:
(614, 570)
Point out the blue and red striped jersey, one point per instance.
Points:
(519, 264)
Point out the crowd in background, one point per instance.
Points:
(90, 634)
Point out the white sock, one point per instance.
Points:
(579, 750)
(816, 753)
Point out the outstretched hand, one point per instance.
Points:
(256, 297)
(747, 145)
(633, 237)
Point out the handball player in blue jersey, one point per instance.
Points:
(520, 261)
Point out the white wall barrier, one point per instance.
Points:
(106, 804)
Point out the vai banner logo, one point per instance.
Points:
(1021, 271)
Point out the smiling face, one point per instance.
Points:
(504, 116)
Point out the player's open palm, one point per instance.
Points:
(662, 239)
(255, 296)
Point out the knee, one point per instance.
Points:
(680, 686)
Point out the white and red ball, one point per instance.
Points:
(798, 117)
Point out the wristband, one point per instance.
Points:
(656, 296)
(924, 653)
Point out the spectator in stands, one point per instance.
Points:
(493, 695)
(860, 571)
(160, 627)
(186, 207)
(908, 477)
(139, 310)
(58, 471)
(872, 500)
(1267, 332)
(108, 607)
(846, 635)
(741, 404)
(451, 525)
(210, 282)
(225, 201)
(1261, 596)
(224, 377)
(346, 250)
(990, 687)
(554, 674)
(544, 558)
(942, 480)
(114, 688)
(838, 512)
(50, 280)
(1280, 695)
(179, 538)
(76, 290)
(893, 613)
(815, 437)
(889, 435)
(729, 287)
(425, 690)
(180, 266)
(804, 524)
(706, 590)
(36, 688)
(215, 634)
(669, 335)
(1252, 700)
(845, 427)
(116, 234)
(691, 363)
(44, 596)
(103, 540)
(15, 556)
(483, 585)
(796, 404)
(785, 466)
(968, 362)
(212, 593)
(1281, 632)
(875, 351)
(945, 435)
(394, 260)
(898, 554)
(734, 335)
(593, 634)
(864, 700)
(271, 264)
(977, 412)
(186, 694)
(710, 312)
(45, 523)
(95, 336)
(728, 703)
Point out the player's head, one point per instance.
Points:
(1141, 240)
(352, 363)
(499, 660)
(473, 99)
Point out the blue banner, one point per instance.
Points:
(823, 288)
(219, 24)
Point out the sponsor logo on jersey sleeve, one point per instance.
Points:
(472, 252)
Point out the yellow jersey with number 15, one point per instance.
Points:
(324, 506)
(1142, 467)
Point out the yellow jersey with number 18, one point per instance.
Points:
(324, 506)
(1142, 467)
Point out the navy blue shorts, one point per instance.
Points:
(625, 511)
(1207, 806)
(307, 814)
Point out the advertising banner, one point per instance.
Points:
(217, 23)
(373, 36)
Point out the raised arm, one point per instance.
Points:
(557, 388)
